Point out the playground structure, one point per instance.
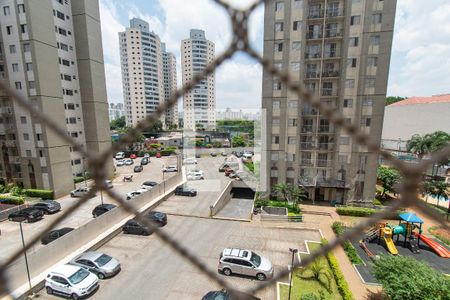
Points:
(410, 227)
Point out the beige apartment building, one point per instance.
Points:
(340, 50)
(170, 85)
(51, 53)
(199, 105)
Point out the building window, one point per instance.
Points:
(276, 104)
(290, 157)
(298, 4)
(26, 137)
(344, 140)
(375, 40)
(355, 20)
(275, 139)
(275, 122)
(292, 140)
(376, 18)
(367, 102)
(21, 8)
(28, 153)
(372, 61)
(15, 67)
(9, 30)
(29, 66)
(278, 47)
(31, 85)
(6, 10)
(297, 25)
(18, 85)
(296, 46)
(348, 103)
(350, 83)
(23, 120)
(12, 49)
(277, 85)
(60, 15)
(23, 28)
(274, 156)
(370, 82)
(292, 103)
(351, 62)
(292, 122)
(279, 27)
(353, 42)
(365, 122)
(279, 66)
(279, 6)
(295, 66)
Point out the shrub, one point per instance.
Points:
(16, 191)
(350, 251)
(360, 212)
(5, 199)
(155, 146)
(78, 179)
(338, 227)
(309, 296)
(166, 152)
(44, 194)
(342, 285)
(208, 146)
(377, 202)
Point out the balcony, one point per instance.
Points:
(311, 75)
(331, 182)
(314, 15)
(332, 55)
(324, 128)
(309, 112)
(307, 162)
(312, 55)
(307, 129)
(334, 12)
(329, 92)
(306, 181)
(313, 35)
(330, 73)
(333, 33)
(10, 144)
(307, 146)
(322, 163)
(325, 146)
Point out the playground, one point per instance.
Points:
(404, 238)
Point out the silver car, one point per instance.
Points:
(244, 262)
(98, 263)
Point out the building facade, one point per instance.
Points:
(116, 110)
(142, 71)
(199, 105)
(170, 85)
(51, 53)
(340, 50)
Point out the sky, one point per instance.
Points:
(420, 61)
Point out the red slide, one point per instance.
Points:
(439, 249)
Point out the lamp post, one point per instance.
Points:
(164, 181)
(101, 196)
(26, 258)
(294, 251)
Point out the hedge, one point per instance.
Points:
(359, 211)
(342, 285)
(350, 251)
(78, 179)
(44, 194)
(5, 199)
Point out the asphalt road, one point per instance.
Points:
(10, 239)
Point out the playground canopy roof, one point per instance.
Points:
(410, 217)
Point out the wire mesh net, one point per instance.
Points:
(412, 174)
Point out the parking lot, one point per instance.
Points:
(10, 239)
(151, 270)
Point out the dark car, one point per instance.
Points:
(213, 154)
(185, 191)
(29, 214)
(138, 168)
(197, 155)
(101, 209)
(55, 234)
(134, 227)
(225, 295)
(48, 206)
(238, 154)
(144, 161)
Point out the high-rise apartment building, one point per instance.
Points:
(51, 53)
(340, 50)
(115, 111)
(141, 58)
(170, 84)
(199, 105)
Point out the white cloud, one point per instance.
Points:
(421, 52)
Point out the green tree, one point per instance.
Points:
(290, 193)
(156, 127)
(404, 277)
(238, 141)
(393, 99)
(117, 123)
(217, 144)
(140, 137)
(388, 177)
(422, 145)
(438, 140)
(283, 190)
(298, 194)
(439, 190)
(427, 188)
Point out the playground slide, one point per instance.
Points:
(439, 249)
(390, 245)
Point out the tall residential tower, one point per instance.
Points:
(340, 50)
(51, 53)
(170, 85)
(199, 104)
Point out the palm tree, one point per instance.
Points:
(419, 145)
(440, 190)
(298, 194)
(427, 189)
(318, 271)
(438, 140)
(283, 189)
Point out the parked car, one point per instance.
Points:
(109, 184)
(183, 190)
(134, 194)
(213, 154)
(120, 163)
(55, 234)
(229, 171)
(148, 185)
(147, 155)
(144, 161)
(129, 162)
(247, 155)
(48, 206)
(101, 209)
(29, 214)
(225, 295)
(244, 262)
(190, 161)
(100, 264)
(195, 175)
(138, 168)
(223, 153)
(158, 155)
(79, 192)
(238, 154)
(133, 156)
(120, 155)
(170, 169)
(72, 281)
(134, 227)
(197, 155)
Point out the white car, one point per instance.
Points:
(247, 155)
(170, 169)
(129, 162)
(190, 161)
(134, 194)
(72, 281)
(195, 175)
(79, 192)
(120, 155)
(120, 163)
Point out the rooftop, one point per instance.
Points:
(444, 98)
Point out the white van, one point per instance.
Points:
(120, 155)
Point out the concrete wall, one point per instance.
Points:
(56, 251)
(223, 199)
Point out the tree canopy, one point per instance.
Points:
(393, 99)
(422, 145)
(290, 193)
(388, 177)
(404, 277)
(238, 141)
(117, 123)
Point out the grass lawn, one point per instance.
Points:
(301, 286)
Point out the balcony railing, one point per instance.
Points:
(332, 54)
(306, 146)
(313, 35)
(325, 146)
(329, 93)
(330, 74)
(312, 75)
(306, 181)
(312, 55)
(334, 13)
(307, 162)
(307, 128)
(330, 182)
(316, 14)
(332, 33)
(309, 112)
(323, 163)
